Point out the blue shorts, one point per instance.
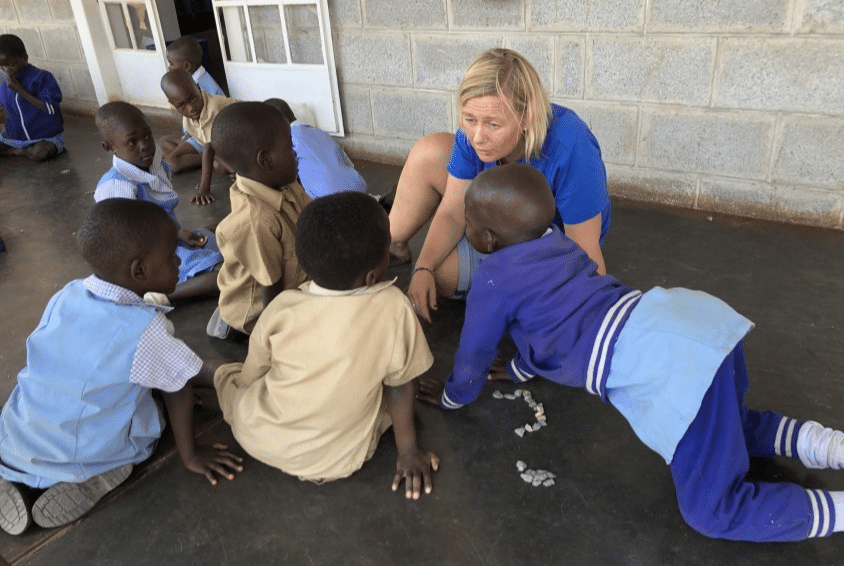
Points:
(57, 140)
(468, 260)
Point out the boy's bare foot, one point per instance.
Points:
(400, 253)
(498, 369)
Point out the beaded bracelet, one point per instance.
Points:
(422, 269)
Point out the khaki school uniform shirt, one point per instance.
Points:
(200, 129)
(308, 398)
(258, 247)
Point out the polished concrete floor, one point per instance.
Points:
(613, 501)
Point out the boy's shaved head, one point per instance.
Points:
(178, 82)
(12, 46)
(115, 231)
(116, 115)
(241, 129)
(187, 49)
(513, 202)
(283, 107)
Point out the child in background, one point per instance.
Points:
(186, 54)
(324, 168)
(315, 393)
(30, 97)
(257, 237)
(139, 172)
(82, 412)
(670, 360)
(198, 110)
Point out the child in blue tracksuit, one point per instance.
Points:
(82, 412)
(670, 360)
(30, 97)
(139, 172)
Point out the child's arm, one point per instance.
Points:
(273, 291)
(199, 459)
(16, 86)
(203, 194)
(414, 464)
(192, 239)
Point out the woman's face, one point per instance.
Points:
(493, 129)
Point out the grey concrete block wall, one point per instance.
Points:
(734, 107)
(49, 33)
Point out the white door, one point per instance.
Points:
(137, 44)
(281, 49)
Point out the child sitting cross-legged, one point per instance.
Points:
(257, 238)
(670, 360)
(332, 365)
(198, 109)
(139, 172)
(31, 100)
(82, 412)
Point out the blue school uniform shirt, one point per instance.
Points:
(125, 180)
(25, 121)
(324, 168)
(206, 82)
(83, 403)
(652, 356)
(571, 161)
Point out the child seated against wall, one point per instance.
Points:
(31, 100)
(82, 412)
(198, 109)
(671, 361)
(324, 168)
(332, 364)
(139, 172)
(257, 237)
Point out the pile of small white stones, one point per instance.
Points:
(538, 410)
(535, 477)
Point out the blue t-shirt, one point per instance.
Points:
(571, 161)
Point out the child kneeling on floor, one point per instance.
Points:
(332, 365)
(670, 360)
(257, 238)
(82, 412)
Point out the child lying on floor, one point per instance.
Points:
(332, 365)
(670, 360)
(139, 172)
(82, 412)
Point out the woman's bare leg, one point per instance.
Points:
(447, 274)
(420, 189)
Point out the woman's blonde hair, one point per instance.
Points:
(508, 74)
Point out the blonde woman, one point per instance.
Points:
(505, 117)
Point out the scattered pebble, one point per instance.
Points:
(497, 394)
(520, 432)
(548, 483)
(521, 465)
(527, 477)
(535, 477)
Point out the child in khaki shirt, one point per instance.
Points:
(257, 237)
(316, 392)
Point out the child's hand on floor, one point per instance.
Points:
(202, 197)
(197, 240)
(430, 389)
(415, 469)
(214, 459)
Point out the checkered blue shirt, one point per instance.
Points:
(161, 360)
